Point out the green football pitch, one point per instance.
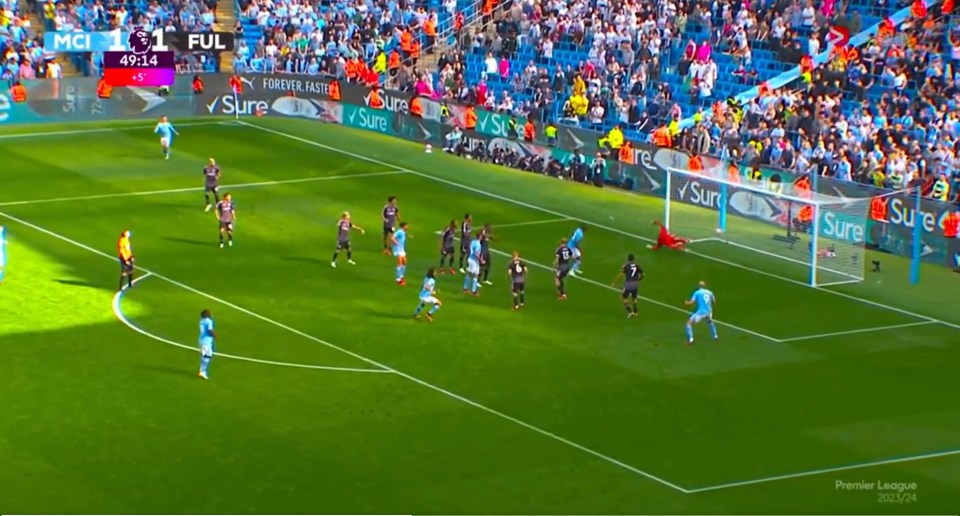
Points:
(329, 397)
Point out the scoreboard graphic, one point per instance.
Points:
(139, 58)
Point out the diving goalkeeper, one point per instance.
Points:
(667, 239)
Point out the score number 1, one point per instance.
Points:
(156, 37)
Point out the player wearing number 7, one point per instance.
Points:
(166, 131)
(704, 300)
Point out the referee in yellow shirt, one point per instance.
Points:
(125, 254)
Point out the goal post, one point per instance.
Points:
(781, 228)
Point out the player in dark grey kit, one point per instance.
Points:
(390, 215)
(227, 216)
(486, 234)
(517, 271)
(631, 274)
(466, 227)
(344, 225)
(448, 246)
(211, 183)
(562, 261)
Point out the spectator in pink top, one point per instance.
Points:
(504, 68)
(704, 52)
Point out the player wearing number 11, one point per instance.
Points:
(166, 131)
(703, 299)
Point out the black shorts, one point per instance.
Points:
(485, 260)
(211, 189)
(519, 287)
(226, 226)
(630, 293)
(447, 251)
(343, 245)
(126, 266)
(465, 249)
(563, 271)
(387, 229)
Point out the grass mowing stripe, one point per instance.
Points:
(531, 223)
(14, 136)
(368, 360)
(647, 299)
(201, 188)
(861, 330)
(813, 472)
(596, 224)
(118, 312)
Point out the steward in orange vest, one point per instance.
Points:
(374, 100)
(416, 107)
(18, 93)
(352, 69)
(661, 137)
(470, 119)
(197, 85)
(626, 153)
(236, 84)
(104, 90)
(334, 90)
(529, 131)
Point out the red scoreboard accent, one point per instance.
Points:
(142, 77)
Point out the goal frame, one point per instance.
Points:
(817, 201)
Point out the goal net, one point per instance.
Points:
(782, 229)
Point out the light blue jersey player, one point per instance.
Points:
(471, 280)
(399, 243)
(703, 299)
(3, 252)
(166, 131)
(206, 343)
(574, 244)
(428, 295)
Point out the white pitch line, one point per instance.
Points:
(814, 472)
(861, 330)
(414, 379)
(14, 136)
(200, 188)
(531, 223)
(647, 299)
(595, 224)
(118, 312)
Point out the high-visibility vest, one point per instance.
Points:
(351, 69)
(941, 190)
(335, 90)
(19, 93)
(415, 49)
(695, 164)
(380, 63)
(236, 85)
(805, 214)
(430, 27)
(626, 153)
(198, 85)
(951, 224)
(375, 101)
(470, 118)
(394, 60)
(416, 107)
(104, 90)
(661, 137)
(529, 131)
(406, 41)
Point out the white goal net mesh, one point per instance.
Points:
(768, 228)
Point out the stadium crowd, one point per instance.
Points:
(21, 45)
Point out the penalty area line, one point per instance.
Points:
(423, 383)
(530, 223)
(647, 299)
(595, 224)
(861, 330)
(118, 312)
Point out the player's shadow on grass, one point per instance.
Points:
(389, 315)
(302, 259)
(190, 241)
(185, 372)
(79, 283)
